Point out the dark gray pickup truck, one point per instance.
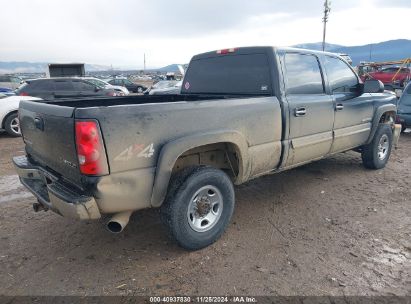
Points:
(242, 113)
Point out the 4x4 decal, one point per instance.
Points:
(136, 150)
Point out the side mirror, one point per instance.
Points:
(373, 86)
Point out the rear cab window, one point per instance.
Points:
(80, 85)
(63, 85)
(229, 74)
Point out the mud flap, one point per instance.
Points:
(396, 135)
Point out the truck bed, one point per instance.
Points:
(140, 99)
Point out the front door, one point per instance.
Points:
(353, 110)
(311, 110)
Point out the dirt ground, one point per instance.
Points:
(328, 228)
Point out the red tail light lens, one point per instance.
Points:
(23, 94)
(90, 149)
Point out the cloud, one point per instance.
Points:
(120, 32)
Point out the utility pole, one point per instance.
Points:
(327, 9)
(370, 51)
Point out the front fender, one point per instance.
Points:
(377, 116)
(171, 151)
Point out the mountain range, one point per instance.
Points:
(382, 51)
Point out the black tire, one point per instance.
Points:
(403, 128)
(10, 126)
(140, 90)
(372, 156)
(180, 196)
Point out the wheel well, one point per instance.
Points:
(388, 117)
(224, 156)
(5, 118)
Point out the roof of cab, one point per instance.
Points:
(256, 49)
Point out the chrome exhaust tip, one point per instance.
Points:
(119, 221)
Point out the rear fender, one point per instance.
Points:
(171, 151)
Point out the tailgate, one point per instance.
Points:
(48, 132)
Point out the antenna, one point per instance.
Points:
(327, 9)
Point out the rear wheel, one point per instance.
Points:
(375, 155)
(198, 207)
(12, 125)
(140, 90)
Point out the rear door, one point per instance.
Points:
(311, 111)
(353, 110)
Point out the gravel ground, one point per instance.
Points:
(327, 228)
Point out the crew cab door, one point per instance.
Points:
(353, 110)
(311, 110)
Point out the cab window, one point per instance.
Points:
(340, 76)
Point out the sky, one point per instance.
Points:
(118, 33)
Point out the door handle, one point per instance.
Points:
(298, 112)
(339, 107)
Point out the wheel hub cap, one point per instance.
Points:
(205, 208)
(383, 147)
(15, 125)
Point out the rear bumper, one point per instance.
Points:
(59, 197)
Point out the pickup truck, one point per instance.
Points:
(242, 113)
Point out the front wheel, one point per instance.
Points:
(140, 90)
(375, 155)
(198, 207)
(12, 125)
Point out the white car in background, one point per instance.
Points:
(9, 120)
(166, 87)
(106, 85)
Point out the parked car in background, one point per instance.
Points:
(9, 120)
(404, 109)
(391, 77)
(7, 91)
(131, 86)
(10, 82)
(55, 88)
(166, 87)
(105, 84)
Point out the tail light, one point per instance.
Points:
(90, 149)
(226, 51)
(23, 94)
